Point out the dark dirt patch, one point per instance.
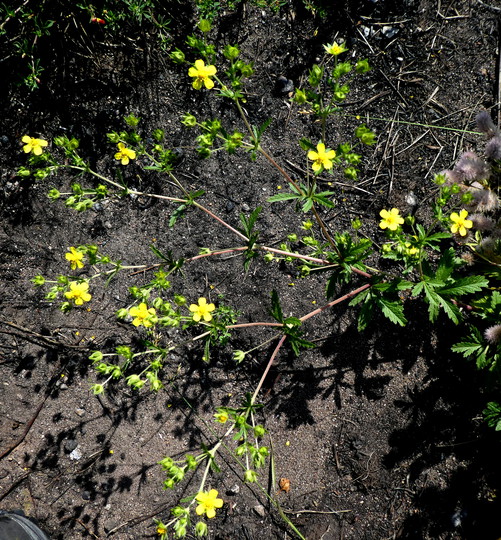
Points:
(379, 433)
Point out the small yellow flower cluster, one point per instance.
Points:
(322, 158)
(202, 75)
(335, 49)
(124, 154)
(202, 310)
(391, 219)
(460, 223)
(208, 502)
(142, 315)
(75, 258)
(33, 145)
(78, 292)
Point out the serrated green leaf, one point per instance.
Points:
(392, 310)
(450, 309)
(466, 348)
(307, 206)
(276, 308)
(465, 285)
(284, 197)
(359, 298)
(365, 315)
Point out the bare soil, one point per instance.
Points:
(380, 433)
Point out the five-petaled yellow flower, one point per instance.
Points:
(202, 310)
(33, 145)
(143, 315)
(460, 223)
(335, 49)
(208, 502)
(75, 257)
(391, 220)
(322, 158)
(78, 292)
(124, 154)
(202, 75)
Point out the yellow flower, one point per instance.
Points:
(460, 223)
(221, 417)
(124, 154)
(335, 49)
(202, 74)
(75, 257)
(208, 502)
(322, 158)
(410, 250)
(33, 145)
(391, 220)
(202, 310)
(78, 292)
(143, 315)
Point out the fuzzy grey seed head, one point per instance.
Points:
(485, 124)
(484, 200)
(493, 148)
(481, 222)
(486, 246)
(493, 334)
(471, 167)
(452, 177)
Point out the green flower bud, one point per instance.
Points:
(246, 70)
(204, 25)
(38, 281)
(96, 356)
(169, 484)
(121, 313)
(189, 120)
(201, 529)
(230, 52)
(179, 299)
(166, 463)
(177, 56)
(97, 389)
(300, 97)
(191, 462)
(259, 431)
(356, 224)
(238, 356)
(250, 476)
(24, 172)
(362, 66)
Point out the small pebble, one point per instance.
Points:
(85, 495)
(234, 490)
(284, 85)
(109, 525)
(389, 31)
(260, 510)
(76, 455)
(245, 207)
(80, 412)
